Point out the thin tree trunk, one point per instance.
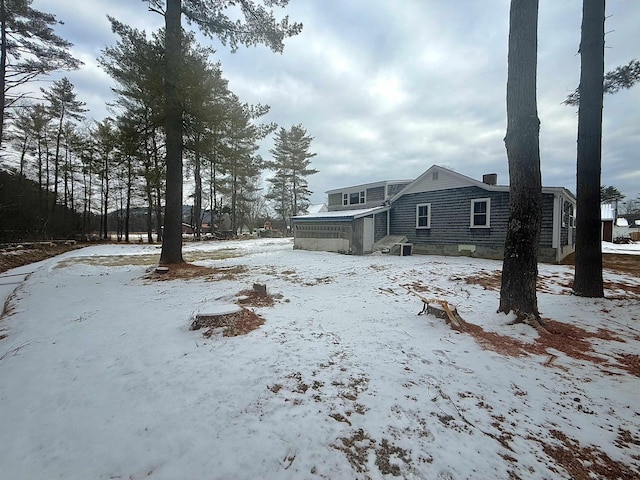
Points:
(149, 213)
(129, 193)
(23, 156)
(172, 236)
(520, 266)
(57, 163)
(197, 204)
(588, 273)
(106, 196)
(3, 65)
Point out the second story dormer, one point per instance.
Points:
(364, 196)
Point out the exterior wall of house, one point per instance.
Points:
(357, 236)
(375, 195)
(546, 230)
(450, 231)
(345, 236)
(380, 226)
(451, 220)
(335, 200)
(326, 236)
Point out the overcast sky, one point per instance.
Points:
(388, 88)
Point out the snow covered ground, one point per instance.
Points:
(101, 377)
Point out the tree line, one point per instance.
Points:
(120, 162)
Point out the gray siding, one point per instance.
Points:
(375, 194)
(335, 200)
(451, 217)
(380, 226)
(357, 236)
(546, 231)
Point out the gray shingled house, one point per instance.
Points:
(441, 213)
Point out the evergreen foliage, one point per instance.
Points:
(29, 49)
(625, 76)
(610, 194)
(289, 190)
(257, 26)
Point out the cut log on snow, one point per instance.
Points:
(439, 308)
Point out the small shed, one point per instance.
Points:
(342, 231)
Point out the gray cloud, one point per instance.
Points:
(389, 88)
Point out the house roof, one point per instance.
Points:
(441, 178)
(316, 208)
(368, 185)
(341, 215)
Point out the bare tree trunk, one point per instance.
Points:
(172, 236)
(520, 266)
(57, 163)
(3, 65)
(127, 217)
(588, 274)
(197, 204)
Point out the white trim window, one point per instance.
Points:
(354, 198)
(480, 213)
(572, 217)
(423, 215)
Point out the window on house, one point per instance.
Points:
(480, 210)
(572, 217)
(423, 215)
(354, 198)
(345, 199)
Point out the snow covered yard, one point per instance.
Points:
(101, 377)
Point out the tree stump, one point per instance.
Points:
(260, 289)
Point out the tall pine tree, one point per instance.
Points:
(62, 106)
(29, 49)
(259, 25)
(520, 265)
(588, 273)
(289, 190)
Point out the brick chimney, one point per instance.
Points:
(490, 178)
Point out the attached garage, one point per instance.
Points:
(345, 231)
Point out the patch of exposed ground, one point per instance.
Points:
(389, 458)
(255, 299)
(218, 254)
(492, 281)
(112, 260)
(237, 323)
(616, 262)
(189, 271)
(231, 325)
(571, 340)
(582, 463)
(18, 257)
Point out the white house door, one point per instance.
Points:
(367, 240)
